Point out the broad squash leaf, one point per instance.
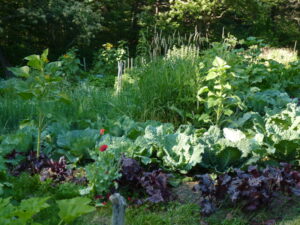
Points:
(70, 209)
(29, 207)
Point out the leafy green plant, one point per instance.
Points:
(23, 213)
(105, 170)
(21, 140)
(71, 66)
(187, 148)
(282, 130)
(70, 209)
(217, 95)
(76, 144)
(175, 150)
(41, 86)
(106, 59)
(259, 101)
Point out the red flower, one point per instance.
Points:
(102, 131)
(129, 199)
(104, 203)
(107, 196)
(103, 148)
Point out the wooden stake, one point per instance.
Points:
(119, 206)
(120, 72)
(84, 64)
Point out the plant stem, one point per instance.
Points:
(219, 113)
(220, 105)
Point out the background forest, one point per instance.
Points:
(30, 26)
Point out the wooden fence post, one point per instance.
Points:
(120, 72)
(119, 206)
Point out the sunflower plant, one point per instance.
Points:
(107, 57)
(40, 84)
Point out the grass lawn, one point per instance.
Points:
(283, 210)
(285, 213)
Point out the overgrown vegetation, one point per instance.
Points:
(67, 134)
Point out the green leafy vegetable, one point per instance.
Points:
(70, 209)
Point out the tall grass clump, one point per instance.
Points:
(12, 110)
(86, 103)
(165, 86)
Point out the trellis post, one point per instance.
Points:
(119, 206)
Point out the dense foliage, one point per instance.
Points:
(67, 133)
(30, 26)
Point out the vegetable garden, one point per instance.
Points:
(224, 120)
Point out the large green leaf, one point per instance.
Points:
(30, 207)
(20, 71)
(45, 55)
(229, 157)
(35, 62)
(70, 209)
(6, 209)
(21, 141)
(287, 150)
(211, 75)
(284, 125)
(78, 142)
(213, 101)
(54, 68)
(26, 94)
(23, 213)
(219, 62)
(222, 154)
(182, 152)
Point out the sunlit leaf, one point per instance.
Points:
(20, 71)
